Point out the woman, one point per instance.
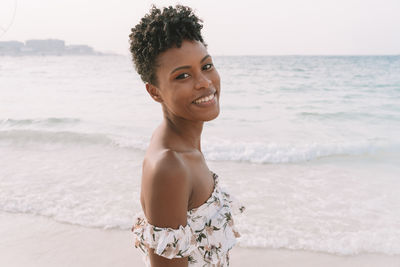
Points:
(187, 217)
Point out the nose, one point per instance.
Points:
(202, 82)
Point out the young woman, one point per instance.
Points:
(187, 217)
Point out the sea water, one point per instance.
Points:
(309, 144)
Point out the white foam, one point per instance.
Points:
(257, 152)
(214, 149)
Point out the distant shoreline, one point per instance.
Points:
(45, 47)
(60, 55)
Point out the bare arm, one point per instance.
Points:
(167, 192)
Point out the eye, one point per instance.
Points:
(208, 66)
(182, 76)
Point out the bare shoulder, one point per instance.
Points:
(166, 189)
(165, 160)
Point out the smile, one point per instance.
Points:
(205, 99)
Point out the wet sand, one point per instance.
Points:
(28, 240)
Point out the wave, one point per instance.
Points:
(45, 121)
(343, 243)
(23, 137)
(217, 150)
(289, 153)
(351, 116)
(384, 241)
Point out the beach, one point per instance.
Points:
(309, 144)
(29, 240)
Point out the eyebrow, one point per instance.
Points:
(188, 67)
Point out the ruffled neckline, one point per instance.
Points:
(208, 236)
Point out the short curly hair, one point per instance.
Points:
(158, 31)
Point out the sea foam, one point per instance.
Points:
(214, 149)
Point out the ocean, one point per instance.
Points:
(309, 144)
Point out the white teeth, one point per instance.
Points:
(204, 99)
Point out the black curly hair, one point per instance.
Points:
(158, 31)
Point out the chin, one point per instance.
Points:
(211, 116)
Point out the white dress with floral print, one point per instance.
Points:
(206, 239)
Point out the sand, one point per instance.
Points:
(28, 240)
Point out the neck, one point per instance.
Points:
(188, 133)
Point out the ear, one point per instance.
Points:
(154, 92)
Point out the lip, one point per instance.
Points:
(206, 94)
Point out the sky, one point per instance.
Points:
(251, 27)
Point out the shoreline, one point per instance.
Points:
(29, 240)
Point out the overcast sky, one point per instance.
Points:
(249, 27)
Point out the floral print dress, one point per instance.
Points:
(206, 239)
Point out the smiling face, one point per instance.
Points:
(188, 83)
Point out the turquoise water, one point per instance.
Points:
(310, 144)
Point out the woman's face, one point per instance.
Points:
(188, 83)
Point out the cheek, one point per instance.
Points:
(179, 98)
(216, 79)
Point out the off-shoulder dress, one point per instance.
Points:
(206, 239)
